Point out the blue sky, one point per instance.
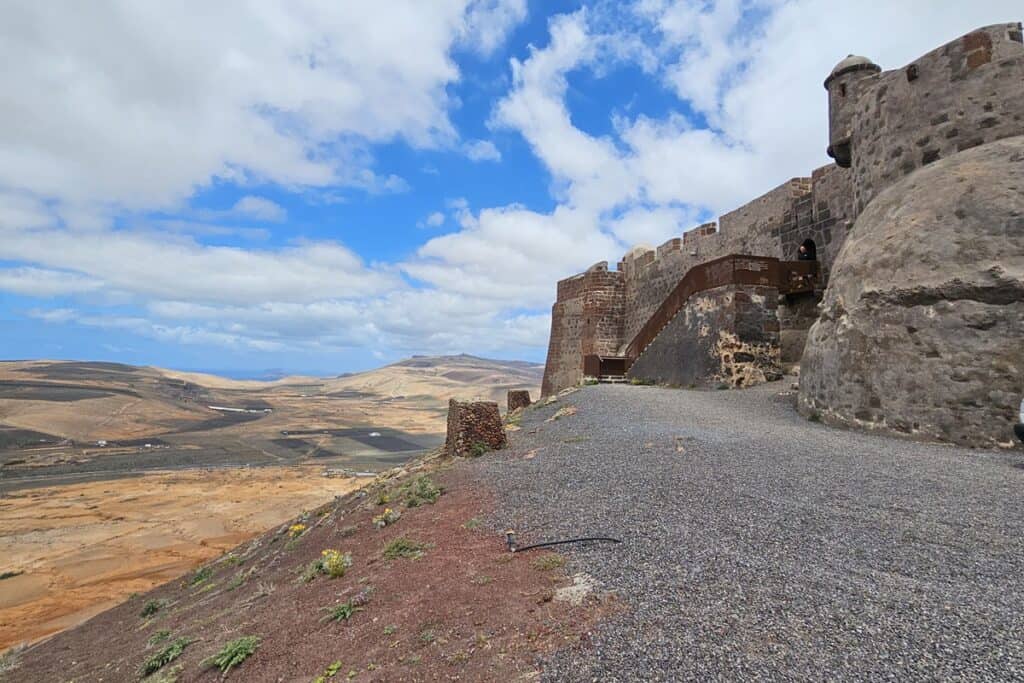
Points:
(325, 187)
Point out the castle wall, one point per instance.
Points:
(586, 319)
(564, 365)
(599, 312)
(883, 126)
(755, 229)
(727, 334)
(964, 94)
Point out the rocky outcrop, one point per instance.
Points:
(474, 427)
(922, 327)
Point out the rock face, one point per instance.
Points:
(922, 327)
(474, 427)
(518, 398)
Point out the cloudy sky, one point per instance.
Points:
(326, 186)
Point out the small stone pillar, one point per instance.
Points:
(518, 398)
(474, 427)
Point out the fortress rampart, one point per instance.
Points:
(882, 126)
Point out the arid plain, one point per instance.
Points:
(114, 479)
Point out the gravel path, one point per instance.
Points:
(762, 546)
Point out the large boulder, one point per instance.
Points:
(922, 326)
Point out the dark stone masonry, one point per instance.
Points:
(729, 334)
(518, 399)
(474, 427)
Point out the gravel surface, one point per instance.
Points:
(759, 545)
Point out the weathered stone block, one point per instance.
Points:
(518, 398)
(474, 427)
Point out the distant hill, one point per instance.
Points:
(444, 377)
(90, 401)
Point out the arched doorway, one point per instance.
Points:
(808, 251)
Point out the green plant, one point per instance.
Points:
(814, 417)
(639, 382)
(335, 563)
(234, 653)
(311, 571)
(165, 656)
(152, 607)
(158, 637)
(390, 629)
(589, 382)
(167, 676)
(420, 491)
(202, 574)
(329, 672)
(386, 518)
(478, 448)
(341, 612)
(231, 560)
(382, 497)
(427, 636)
(548, 562)
(403, 547)
(236, 582)
(722, 386)
(472, 524)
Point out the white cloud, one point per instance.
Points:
(161, 266)
(488, 23)
(434, 220)
(482, 150)
(39, 282)
(259, 208)
(139, 106)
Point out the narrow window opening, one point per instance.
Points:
(808, 251)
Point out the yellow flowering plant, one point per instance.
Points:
(335, 563)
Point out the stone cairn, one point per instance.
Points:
(474, 427)
(518, 398)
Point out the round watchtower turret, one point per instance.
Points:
(843, 85)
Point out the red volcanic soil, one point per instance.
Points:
(465, 610)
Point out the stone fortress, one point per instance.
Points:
(905, 310)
